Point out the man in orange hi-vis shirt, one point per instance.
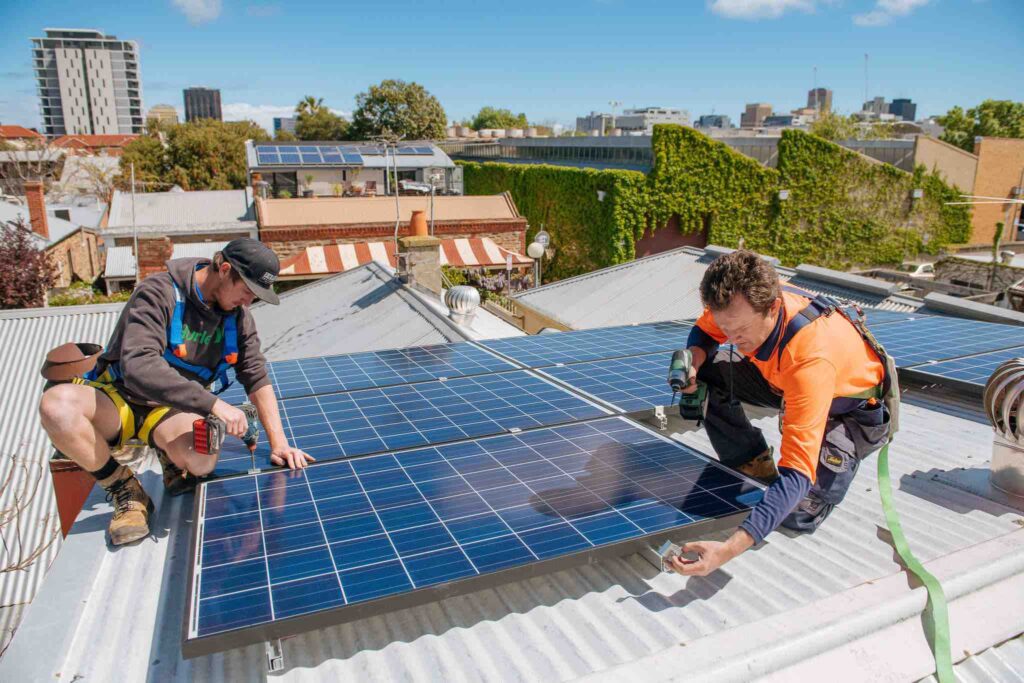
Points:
(800, 354)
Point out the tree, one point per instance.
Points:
(400, 109)
(205, 154)
(991, 118)
(835, 127)
(28, 271)
(317, 122)
(282, 135)
(489, 117)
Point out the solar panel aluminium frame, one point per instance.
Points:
(291, 626)
(920, 373)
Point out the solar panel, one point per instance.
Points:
(363, 149)
(312, 158)
(268, 157)
(424, 150)
(880, 317)
(285, 552)
(541, 350)
(629, 384)
(913, 342)
(328, 374)
(353, 158)
(973, 370)
(290, 158)
(331, 155)
(343, 425)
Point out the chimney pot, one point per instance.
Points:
(419, 224)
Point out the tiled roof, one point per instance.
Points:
(93, 141)
(18, 133)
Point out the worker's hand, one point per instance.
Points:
(234, 419)
(294, 458)
(699, 356)
(710, 556)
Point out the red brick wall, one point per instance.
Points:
(75, 258)
(288, 241)
(153, 254)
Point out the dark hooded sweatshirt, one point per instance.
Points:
(141, 336)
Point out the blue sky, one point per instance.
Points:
(553, 60)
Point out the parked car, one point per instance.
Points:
(922, 270)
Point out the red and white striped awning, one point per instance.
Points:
(335, 258)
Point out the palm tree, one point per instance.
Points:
(310, 105)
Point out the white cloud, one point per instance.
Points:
(264, 114)
(199, 11)
(887, 10)
(759, 9)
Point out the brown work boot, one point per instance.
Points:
(761, 467)
(132, 507)
(176, 480)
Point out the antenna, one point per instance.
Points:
(865, 78)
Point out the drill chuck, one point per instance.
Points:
(679, 369)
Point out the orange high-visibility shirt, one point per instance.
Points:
(825, 360)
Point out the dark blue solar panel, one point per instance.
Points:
(423, 150)
(331, 155)
(327, 374)
(353, 158)
(913, 342)
(308, 149)
(290, 543)
(343, 425)
(311, 158)
(288, 149)
(370, 149)
(878, 317)
(268, 157)
(973, 370)
(289, 158)
(541, 350)
(630, 384)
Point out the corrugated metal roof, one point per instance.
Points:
(120, 262)
(275, 213)
(1004, 662)
(364, 309)
(664, 286)
(197, 249)
(554, 627)
(25, 336)
(59, 228)
(169, 212)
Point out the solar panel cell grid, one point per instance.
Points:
(542, 350)
(630, 384)
(974, 370)
(373, 420)
(913, 342)
(290, 543)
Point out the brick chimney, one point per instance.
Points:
(37, 208)
(421, 265)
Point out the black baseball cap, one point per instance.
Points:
(256, 264)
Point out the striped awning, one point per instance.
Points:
(335, 258)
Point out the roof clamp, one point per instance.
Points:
(275, 655)
(660, 418)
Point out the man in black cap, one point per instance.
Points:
(178, 334)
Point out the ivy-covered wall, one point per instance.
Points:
(586, 232)
(843, 209)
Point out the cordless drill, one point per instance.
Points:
(208, 433)
(691, 405)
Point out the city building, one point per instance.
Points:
(288, 169)
(819, 99)
(595, 123)
(783, 120)
(755, 115)
(903, 109)
(714, 121)
(163, 113)
(88, 83)
(1000, 169)
(642, 121)
(202, 103)
(877, 106)
(285, 123)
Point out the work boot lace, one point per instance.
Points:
(121, 496)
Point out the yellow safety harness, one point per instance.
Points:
(129, 437)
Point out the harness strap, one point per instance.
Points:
(127, 416)
(175, 334)
(151, 421)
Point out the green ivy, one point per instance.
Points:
(586, 232)
(843, 208)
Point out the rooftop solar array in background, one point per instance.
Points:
(974, 370)
(875, 316)
(913, 342)
(342, 425)
(286, 545)
(328, 374)
(629, 384)
(308, 155)
(541, 350)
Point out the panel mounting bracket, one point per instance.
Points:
(275, 655)
(660, 417)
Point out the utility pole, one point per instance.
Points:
(614, 104)
(865, 78)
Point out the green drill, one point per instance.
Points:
(691, 405)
